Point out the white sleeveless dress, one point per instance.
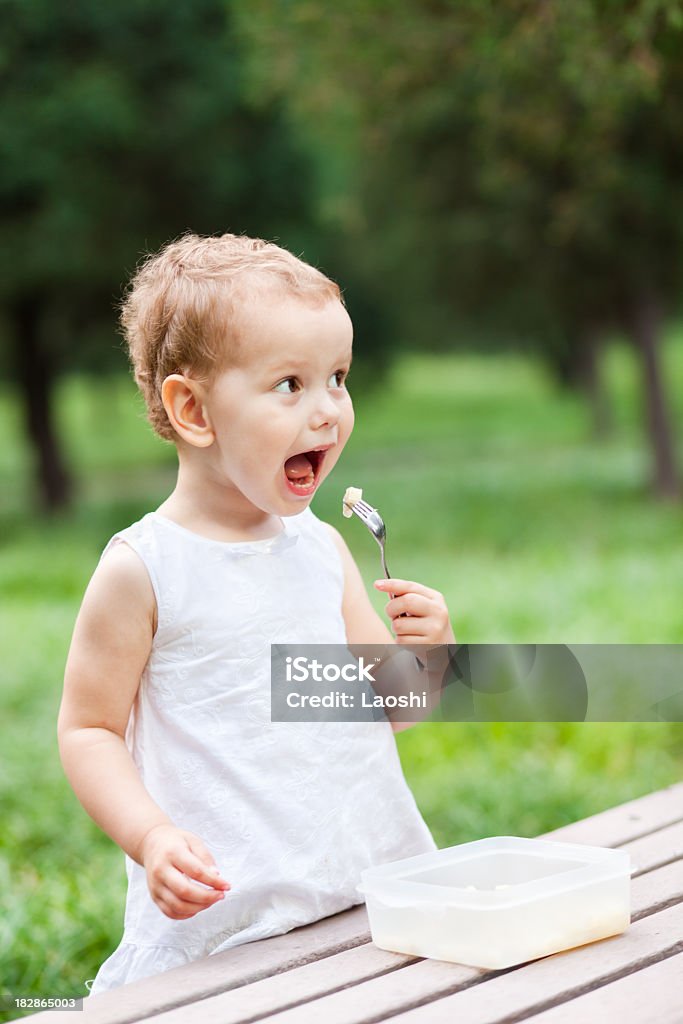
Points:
(292, 812)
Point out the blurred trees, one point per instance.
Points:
(121, 126)
(481, 174)
(514, 169)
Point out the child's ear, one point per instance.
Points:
(184, 405)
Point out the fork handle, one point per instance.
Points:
(403, 615)
(386, 570)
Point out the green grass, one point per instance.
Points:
(494, 493)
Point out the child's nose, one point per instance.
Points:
(325, 411)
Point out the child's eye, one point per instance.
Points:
(283, 388)
(286, 381)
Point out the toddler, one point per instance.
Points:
(234, 827)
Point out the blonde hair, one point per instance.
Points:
(180, 312)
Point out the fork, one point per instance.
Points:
(375, 524)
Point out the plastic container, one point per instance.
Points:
(498, 902)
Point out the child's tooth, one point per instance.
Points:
(307, 481)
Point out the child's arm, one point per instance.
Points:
(428, 623)
(111, 644)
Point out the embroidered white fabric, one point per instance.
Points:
(292, 812)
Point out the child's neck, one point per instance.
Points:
(216, 510)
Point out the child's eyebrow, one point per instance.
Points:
(297, 364)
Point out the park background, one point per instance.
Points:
(498, 190)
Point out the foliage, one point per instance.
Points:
(122, 127)
(517, 163)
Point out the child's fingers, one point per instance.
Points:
(189, 863)
(399, 587)
(199, 849)
(189, 891)
(178, 908)
(414, 604)
(202, 853)
(411, 627)
(410, 639)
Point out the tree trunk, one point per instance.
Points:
(576, 367)
(592, 383)
(646, 332)
(35, 377)
(565, 368)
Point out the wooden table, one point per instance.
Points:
(330, 972)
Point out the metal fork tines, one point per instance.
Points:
(375, 524)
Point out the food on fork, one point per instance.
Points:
(351, 496)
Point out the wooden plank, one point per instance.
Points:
(654, 994)
(626, 822)
(656, 849)
(381, 997)
(656, 890)
(539, 985)
(292, 988)
(219, 972)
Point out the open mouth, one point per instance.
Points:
(302, 471)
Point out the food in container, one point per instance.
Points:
(498, 902)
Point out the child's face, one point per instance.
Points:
(285, 398)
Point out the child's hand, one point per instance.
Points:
(427, 621)
(172, 857)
